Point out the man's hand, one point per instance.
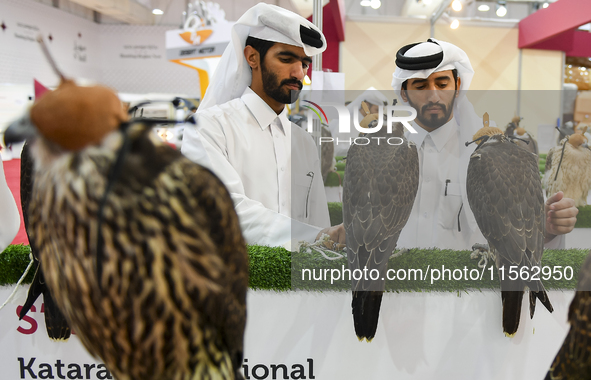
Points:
(336, 233)
(561, 215)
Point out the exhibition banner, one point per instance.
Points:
(310, 335)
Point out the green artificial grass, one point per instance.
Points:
(270, 268)
(277, 269)
(335, 210)
(542, 163)
(333, 180)
(341, 166)
(13, 262)
(584, 217)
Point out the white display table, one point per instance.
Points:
(420, 336)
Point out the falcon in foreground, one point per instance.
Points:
(505, 194)
(568, 169)
(573, 361)
(379, 189)
(140, 247)
(56, 324)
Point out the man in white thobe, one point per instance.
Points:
(270, 166)
(433, 77)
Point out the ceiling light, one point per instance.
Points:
(501, 9)
(375, 4)
(545, 5)
(454, 24)
(365, 3)
(157, 11)
(456, 5)
(427, 2)
(483, 8)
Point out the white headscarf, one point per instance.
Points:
(263, 21)
(453, 58)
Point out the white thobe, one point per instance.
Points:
(441, 215)
(270, 167)
(9, 216)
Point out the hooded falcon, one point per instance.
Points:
(56, 324)
(524, 140)
(573, 361)
(379, 189)
(512, 126)
(568, 169)
(505, 194)
(140, 247)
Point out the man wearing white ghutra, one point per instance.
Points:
(270, 166)
(433, 77)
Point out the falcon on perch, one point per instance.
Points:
(505, 194)
(379, 189)
(568, 168)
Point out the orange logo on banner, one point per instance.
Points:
(196, 37)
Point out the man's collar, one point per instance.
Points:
(261, 111)
(440, 136)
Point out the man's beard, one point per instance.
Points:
(434, 121)
(276, 91)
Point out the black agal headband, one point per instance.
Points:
(418, 63)
(310, 37)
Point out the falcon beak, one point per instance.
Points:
(20, 130)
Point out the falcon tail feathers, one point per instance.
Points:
(511, 310)
(35, 290)
(57, 326)
(543, 297)
(366, 312)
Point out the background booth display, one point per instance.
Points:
(201, 42)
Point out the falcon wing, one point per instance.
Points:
(505, 195)
(228, 309)
(549, 160)
(379, 190)
(380, 186)
(56, 324)
(327, 153)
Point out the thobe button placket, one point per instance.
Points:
(280, 154)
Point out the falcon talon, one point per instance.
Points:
(400, 253)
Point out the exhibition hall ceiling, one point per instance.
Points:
(140, 12)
